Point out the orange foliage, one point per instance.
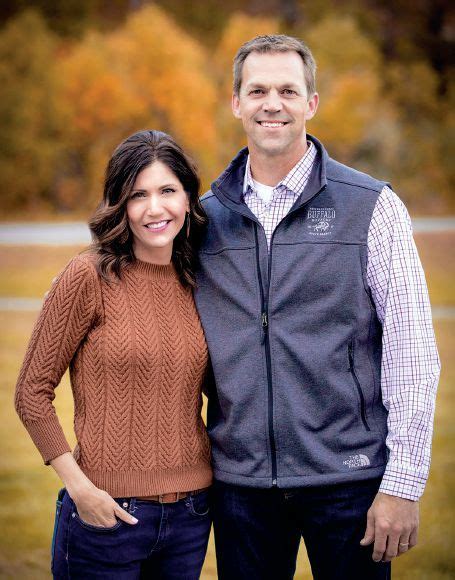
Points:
(64, 107)
(148, 74)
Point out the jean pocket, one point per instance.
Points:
(76, 517)
(198, 504)
(58, 511)
(93, 528)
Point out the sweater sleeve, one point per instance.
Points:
(67, 314)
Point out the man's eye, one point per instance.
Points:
(256, 92)
(289, 92)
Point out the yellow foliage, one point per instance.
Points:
(148, 74)
(169, 69)
(340, 46)
(349, 85)
(239, 29)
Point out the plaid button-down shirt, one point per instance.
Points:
(410, 362)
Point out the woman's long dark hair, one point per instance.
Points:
(112, 237)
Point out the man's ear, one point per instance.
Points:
(235, 103)
(312, 106)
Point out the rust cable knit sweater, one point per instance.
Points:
(137, 358)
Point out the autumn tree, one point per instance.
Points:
(28, 149)
(147, 74)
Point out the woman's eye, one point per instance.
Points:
(168, 190)
(137, 194)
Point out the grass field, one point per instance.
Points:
(28, 489)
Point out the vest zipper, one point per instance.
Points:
(357, 384)
(265, 329)
(264, 320)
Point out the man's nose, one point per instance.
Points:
(273, 102)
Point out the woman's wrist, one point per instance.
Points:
(79, 488)
(74, 479)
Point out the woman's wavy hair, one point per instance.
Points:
(111, 234)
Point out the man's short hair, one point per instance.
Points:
(276, 43)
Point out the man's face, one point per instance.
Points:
(273, 103)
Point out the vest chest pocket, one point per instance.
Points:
(363, 414)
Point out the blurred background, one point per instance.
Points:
(78, 76)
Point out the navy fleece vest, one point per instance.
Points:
(293, 335)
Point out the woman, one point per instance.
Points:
(122, 317)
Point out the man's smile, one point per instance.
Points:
(272, 124)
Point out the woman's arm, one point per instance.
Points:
(68, 313)
(94, 506)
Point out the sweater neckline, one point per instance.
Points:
(153, 271)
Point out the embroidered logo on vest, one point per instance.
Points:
(320, 220)
(357, 461)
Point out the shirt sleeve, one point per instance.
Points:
(66, 316)
(410, 363)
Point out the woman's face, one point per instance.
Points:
(156, 212)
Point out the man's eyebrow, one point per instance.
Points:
(257, 85)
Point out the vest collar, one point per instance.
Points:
(228, 188)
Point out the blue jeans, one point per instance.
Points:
(258, 531)
(169, 541)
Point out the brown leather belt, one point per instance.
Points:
(172, 497)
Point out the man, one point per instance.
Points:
(316, 313)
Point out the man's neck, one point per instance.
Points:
(270, 170)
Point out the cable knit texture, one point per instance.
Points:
(137, 358)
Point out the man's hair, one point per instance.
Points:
(276, 43)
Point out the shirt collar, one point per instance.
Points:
(291, 182)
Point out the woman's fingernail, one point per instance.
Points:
(134, 520)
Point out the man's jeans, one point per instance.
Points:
(169, 541)
(258, 531)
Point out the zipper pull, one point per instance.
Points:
(265, 322)
(350, 356)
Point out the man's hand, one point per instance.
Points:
(392, 524)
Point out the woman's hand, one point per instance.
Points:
(97, 508)
(94, 506)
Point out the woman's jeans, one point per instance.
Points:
(169, 541)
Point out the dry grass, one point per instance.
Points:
(28, 271)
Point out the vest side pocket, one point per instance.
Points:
(363, 414)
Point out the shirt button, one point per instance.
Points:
(125, 504)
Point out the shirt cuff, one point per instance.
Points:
(402, 482)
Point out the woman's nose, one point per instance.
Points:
(154, 205)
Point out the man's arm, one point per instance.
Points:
(409, 375)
